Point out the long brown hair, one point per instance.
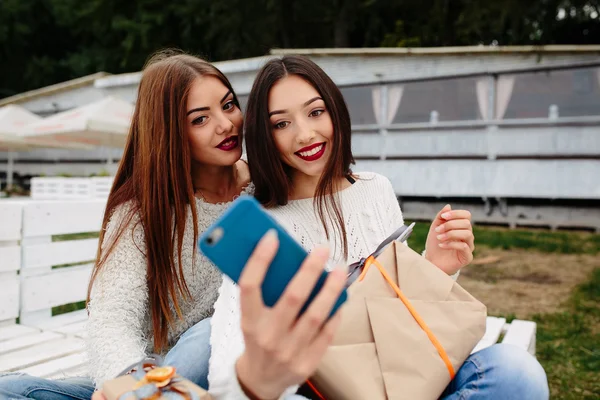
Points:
(155, 177)
(272, 178)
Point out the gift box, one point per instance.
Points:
(151, 382)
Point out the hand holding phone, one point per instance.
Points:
(280, 349)
(231, 240)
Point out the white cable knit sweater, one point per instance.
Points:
(119, 326)
(371, 213)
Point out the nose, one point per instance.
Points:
(224, 125)
(305, 133)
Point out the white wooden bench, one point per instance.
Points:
(52, 346)
(42, 344)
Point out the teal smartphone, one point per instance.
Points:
(230, 241)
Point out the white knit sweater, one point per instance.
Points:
(119, 327)
(371, 213)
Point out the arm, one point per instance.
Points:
(278, 350)
(118, 305)
(394, 214)
(227, 345)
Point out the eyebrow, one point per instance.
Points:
(304, 105)
(207, 108)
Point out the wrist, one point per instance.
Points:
(251, 386)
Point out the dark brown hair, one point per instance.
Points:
(155, 177)
(271, 176)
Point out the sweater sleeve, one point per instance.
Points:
(227, 345)
(118, 303)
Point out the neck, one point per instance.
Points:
(305, 186)
(217, 181)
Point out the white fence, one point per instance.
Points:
(60, 188)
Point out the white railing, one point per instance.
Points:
(62, 188)
(31, 284)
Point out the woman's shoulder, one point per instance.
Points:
(123, 218)
(373, 180)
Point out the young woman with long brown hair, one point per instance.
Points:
(150, 288)
(299, 153)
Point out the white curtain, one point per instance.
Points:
(394, 97)
(376, 97)
(504, 88)
(483, 96)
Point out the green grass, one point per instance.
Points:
(76, 236)
(562, 242)
(568, 341)
(568, 344)
(67, 308)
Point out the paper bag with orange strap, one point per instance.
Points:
(406, 329)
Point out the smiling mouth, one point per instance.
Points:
(311, 153)
(229, 144)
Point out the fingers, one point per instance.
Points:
(311, 322)
(455, 214)
(252, 277)
(461, 247)
(438, 218)
(464, 235)
(454, 225)
(300, 287)
(320, 345)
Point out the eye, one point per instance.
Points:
(230, 105)
(282, 124)
(316, 113)
(199, 120)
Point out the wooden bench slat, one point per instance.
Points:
(75, 329)
(521, 333)
(17, 360)
(493, 329)
(58, 253)
(58, 287)
(63, 320)
(13, 331)
(23, 342)
(72, 365)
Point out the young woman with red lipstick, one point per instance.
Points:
(298, 142)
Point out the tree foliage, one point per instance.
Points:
(48, 41)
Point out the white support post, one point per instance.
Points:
(10, 170)
(383, 119)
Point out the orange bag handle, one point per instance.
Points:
(371, 260)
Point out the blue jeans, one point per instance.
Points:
(501, 371)
(189, 356)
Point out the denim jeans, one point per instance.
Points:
(189, 356)
(501, 371)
